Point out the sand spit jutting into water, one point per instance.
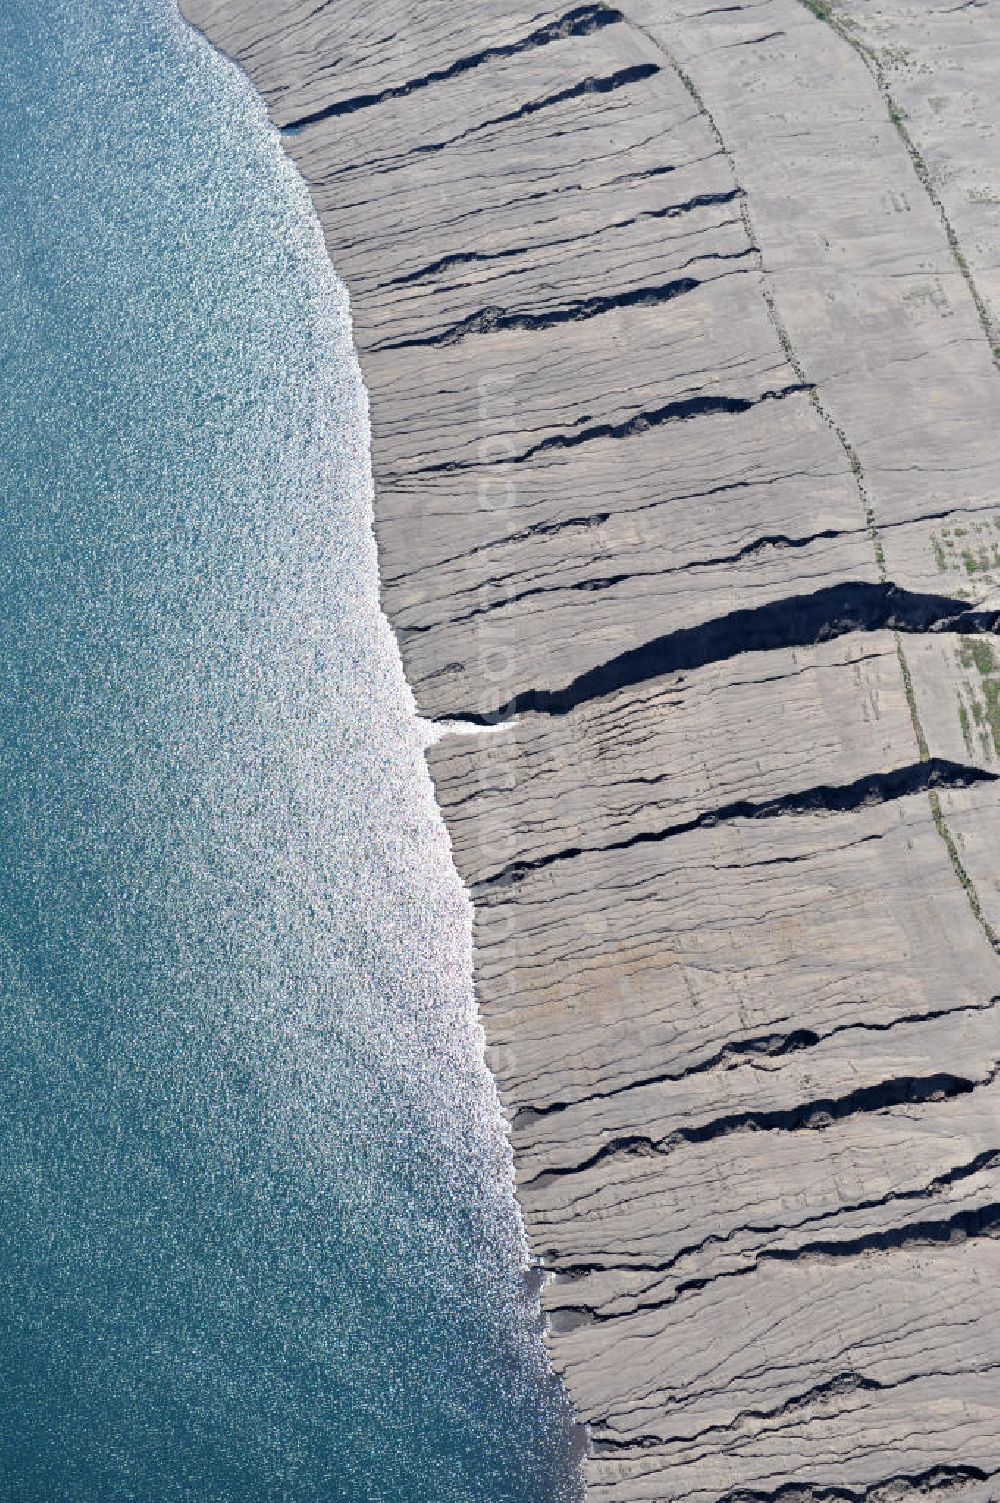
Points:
(680, 328)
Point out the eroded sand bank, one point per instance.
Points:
(680, 328)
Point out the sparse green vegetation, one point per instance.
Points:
(977, 652)
(978, 655)
(991, 690)
(979, 716)
(978, 554)
(911, 700)
(941, 825)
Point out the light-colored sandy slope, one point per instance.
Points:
(686, 437)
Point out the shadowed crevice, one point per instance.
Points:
(832, 798)
(846, 1246)
(680, 411)
(466, 258)
(796, 621)
(893, 1488)
(579, 22)
(770, 541)
(813, 1115)
(736, 1051)
(500, 320)
(605, 84)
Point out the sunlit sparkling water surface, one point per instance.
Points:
(258, 1239)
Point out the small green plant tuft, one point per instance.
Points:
(977, 652)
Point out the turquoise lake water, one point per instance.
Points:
(257, 1237)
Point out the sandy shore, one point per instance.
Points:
(680, 328)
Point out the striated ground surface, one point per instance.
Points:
(680, 327)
